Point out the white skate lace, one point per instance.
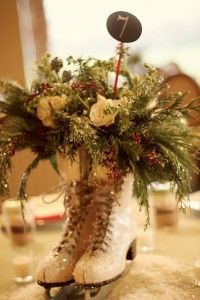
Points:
(77, 203)
(106, 199)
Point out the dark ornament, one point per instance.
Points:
(124, 27)
(56, 64)
(66, 76)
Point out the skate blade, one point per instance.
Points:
(48, 285)
(74, 291)
(71, 292)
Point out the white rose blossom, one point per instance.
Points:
(45, 107)
(98, 116)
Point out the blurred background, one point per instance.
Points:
(170, 41)
(171, 30)
(28, 28)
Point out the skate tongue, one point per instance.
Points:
(85, 164)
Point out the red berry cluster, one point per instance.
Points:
(41, 90)
(41, 131)
(152, 158)
(109, 161)
(10, 148)
(85, 86)
(136, 137)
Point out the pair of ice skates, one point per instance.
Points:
(98, 235)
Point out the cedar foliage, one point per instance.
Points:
(148, 138)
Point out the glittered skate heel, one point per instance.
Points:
(100, 292)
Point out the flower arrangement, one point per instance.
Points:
(139, 129)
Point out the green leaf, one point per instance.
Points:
(54, 164)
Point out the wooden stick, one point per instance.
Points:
(118, 67)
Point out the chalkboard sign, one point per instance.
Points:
(124, 26)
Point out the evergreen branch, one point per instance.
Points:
(140, 189)
(146, 135)
(22, 189)
(9, 88)
(3, 107)
(5, 168)
(45, 71)
(194, 103)
(81, 100)
(179, 97)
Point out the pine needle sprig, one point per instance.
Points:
(22, 188)
(5, 163)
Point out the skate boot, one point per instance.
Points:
(56, 269)
(113, 235)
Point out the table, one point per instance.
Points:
(182, 243)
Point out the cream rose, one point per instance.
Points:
(45, 107)
(98, 116)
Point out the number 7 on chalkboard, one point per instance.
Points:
(124, 27)
(121, 18)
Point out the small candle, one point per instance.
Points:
(196, 269)
(13, 223)
(22, 265)
(165, 206)
(166, 216)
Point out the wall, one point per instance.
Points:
(11, 67)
